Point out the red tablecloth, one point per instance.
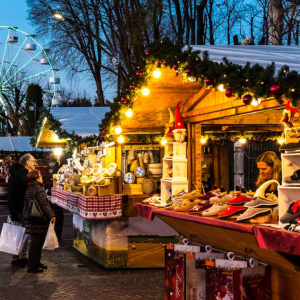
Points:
(89, 208)
(267, 238)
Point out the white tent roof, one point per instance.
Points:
(83, 121)
(16, 143)
(261, 54)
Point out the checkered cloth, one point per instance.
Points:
(89, 208)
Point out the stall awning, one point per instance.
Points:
(16, 143)
(261, 54)
(84, 121)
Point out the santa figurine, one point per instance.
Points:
(179, 130)
(288, 114)
(169, 127)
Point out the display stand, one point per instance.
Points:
(174, 163)
(288, 192)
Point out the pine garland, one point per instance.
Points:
(249, 79)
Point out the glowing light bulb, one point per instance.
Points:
(118, 130)
(121, 139)
(203, 140)
(242, 140)
(129, 113)
(280, 141)
(259, 100)
(221, 87)
(145, 91)
(254, 102)
(156, 74)
(163, 141)
(57, 151)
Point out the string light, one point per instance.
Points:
(221, 87)
(145, 91)
(57, 151)
(129, 113)
(121, 139)
(118, 130)
(280, 141)
(254, 102)
(242, 140)
(203, 140)
(163, 141)
(156, 73)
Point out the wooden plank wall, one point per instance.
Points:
(221, 166)
(194, 154)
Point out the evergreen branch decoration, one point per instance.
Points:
(248, 79)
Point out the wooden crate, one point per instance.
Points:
(133, 189)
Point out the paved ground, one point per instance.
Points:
(73, 276)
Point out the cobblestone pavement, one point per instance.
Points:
(70, 275)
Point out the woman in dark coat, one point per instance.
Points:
(37, 228)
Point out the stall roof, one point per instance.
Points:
(83, 121)
(16, 143)
(261, 54)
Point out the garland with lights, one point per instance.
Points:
(249, 82)
(233, 137)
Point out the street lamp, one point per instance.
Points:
(59, 17)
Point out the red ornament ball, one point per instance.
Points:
(104, 137)
(229, 93)
(139, 74)
(208, 81)
(275, 89)
(164, 62)
(247, 99)
(103, 131)
(175, 66)
(135, 141)
(147, 53)
(116, 123)
(132, 86)
(188, 71)
(123, 100)
(255, 139)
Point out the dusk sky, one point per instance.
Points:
(14, 13)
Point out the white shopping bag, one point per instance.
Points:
(12, 238)
(51, 241)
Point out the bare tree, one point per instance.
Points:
(276, 14)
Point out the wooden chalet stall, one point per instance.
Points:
(106, 226)
(209, 111)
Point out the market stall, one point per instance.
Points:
(89, 183)
(233, 103)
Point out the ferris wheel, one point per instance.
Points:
(24, 61)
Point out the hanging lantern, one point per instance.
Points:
(208, 81)
(139, 73)
(275, 89)
(247, 99)
(228, 93)
(123, 100)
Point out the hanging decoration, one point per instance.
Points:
(247, 99)
(251, 79)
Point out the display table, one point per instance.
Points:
(278, 248)
(109, 231)
(88, 208)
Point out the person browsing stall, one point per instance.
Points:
(38, 227)
(17, 186)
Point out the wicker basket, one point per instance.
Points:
(148, 186)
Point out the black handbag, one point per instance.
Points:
(32, 209)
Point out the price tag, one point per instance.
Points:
(190, 255)
(170, 247)
(210, 263)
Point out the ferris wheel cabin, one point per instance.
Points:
(13, 38)
(31, 46)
